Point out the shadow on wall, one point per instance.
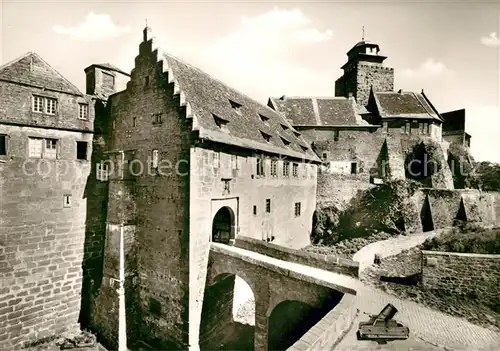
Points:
(218, 328)
(290, 320)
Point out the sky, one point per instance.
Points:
(450, 49)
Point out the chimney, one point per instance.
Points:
(400, 91)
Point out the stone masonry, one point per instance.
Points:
(43, 204)
(476, 276)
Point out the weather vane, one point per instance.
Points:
(146, 20)
(363, 33)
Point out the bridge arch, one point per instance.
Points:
(223, 225)
(289, 321)
(220, 327)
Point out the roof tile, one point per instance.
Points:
(208, 96)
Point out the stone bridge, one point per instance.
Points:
(288, 299)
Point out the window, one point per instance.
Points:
(236, 106)
(325, 156)
(146, 81)
(286, 168)
(108, 80)
(274, 168)
(234, 162)
(254, 210)
(216, 160)
(266, 136)
(428, 128)
(295, 170)
(134, 122)
(227, 187)
(67, 201)
(311, 172)
(102, 172)
(154, 156)
(407, 128)
(50, 148)
(37, 104)
(305, 171)
(263, 118)
(83, 112)
(354, 168)
(220, 122)
(260, 166)
(297, 209)
(285, 142)
(35, 147)
(154, 307)
(403, 129)
(50, 106)
(268, 205)
(3, 145)
(157, 118)
(81, 150)
(336, 135)
(113, 125)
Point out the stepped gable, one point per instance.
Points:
(246, 122)
(405, 105)
(32, 70)
(319, 111)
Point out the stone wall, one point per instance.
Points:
(473, 275)
(339, 190)
(41, 237)
(321, 261)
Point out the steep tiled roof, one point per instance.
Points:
(404, 105)
(246, 122)
(319, 111)
(32, 70)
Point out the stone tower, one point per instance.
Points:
(364, 69)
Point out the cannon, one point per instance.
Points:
(382, 327)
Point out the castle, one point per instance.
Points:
(173, 159)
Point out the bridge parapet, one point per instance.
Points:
(331, 263)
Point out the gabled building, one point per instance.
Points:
(46, 128)
(369, 132)
(454, 128)
(191, 161)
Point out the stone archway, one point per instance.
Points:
(220, 329)
(289, 321)
(223, 225)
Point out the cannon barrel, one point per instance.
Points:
(387, 313)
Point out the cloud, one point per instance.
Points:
(491, 40)
(262, 47)
(430, 68)
(94, 27)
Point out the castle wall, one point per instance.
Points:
(353, 145)
(41, 237)
(473, 275)
(246, 191)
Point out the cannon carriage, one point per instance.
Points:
(382, 327)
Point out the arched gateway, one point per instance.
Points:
(223, 225)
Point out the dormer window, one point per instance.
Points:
(286, 142)
(236, 106)
(284, 127)
(220, 122)
(266, 136)
(263, 118)
(304, 148)
(297, 134)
